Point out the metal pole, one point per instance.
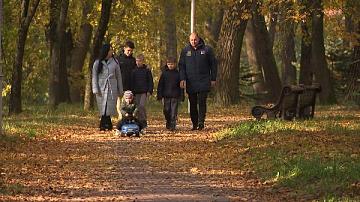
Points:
(192, 26)
(192, 22)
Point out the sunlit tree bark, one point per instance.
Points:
(27, 14)
(228, 52)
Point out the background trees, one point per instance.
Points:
(285, 43)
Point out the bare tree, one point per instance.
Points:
(97, 41)
(27, 14)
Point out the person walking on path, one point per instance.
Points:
(127, 65)
(198, 69)
(170, 93)
(106, 85)
(142, 86)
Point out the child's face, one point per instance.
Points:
(139, 62)
(128, 100)
(171, 65)
(128, 51)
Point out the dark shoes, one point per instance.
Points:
(194, 127)
(201, 126)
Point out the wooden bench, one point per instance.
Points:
(307, 100)
(285, 108)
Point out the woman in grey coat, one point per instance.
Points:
(106, 85)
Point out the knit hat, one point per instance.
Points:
(128, 94)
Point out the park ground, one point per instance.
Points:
(62, 156)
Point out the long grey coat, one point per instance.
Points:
(107, 85)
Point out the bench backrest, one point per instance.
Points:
(307, 100)
(288, 107)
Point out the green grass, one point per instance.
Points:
(318, 157)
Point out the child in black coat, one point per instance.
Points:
(170, 93)
(142, 86)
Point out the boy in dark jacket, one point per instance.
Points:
(170, 92)
(128, 111)
(142, 86)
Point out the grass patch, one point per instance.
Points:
(318, 158)
(12, 189)
(316, 175)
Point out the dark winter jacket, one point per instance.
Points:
(126, 108)
(169, 85)
(127, 64)
(142, 80)
(198, 67)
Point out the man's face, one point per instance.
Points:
(171, 65)
(194, 40)
(128, 51)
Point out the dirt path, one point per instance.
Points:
(82, 164)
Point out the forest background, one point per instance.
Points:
(48, 47)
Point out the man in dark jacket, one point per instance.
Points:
(198, 69)
(127, 63)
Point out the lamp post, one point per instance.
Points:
(192, 29)
(192, 20)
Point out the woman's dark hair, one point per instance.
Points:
(103, 54)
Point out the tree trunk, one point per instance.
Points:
(349, 25)
(78, 55)
(231, 37)
(266, 59)
(15, 106)
(65, 58)
(287, 38)
(353, 85)
(273, 23)
(97, 41)
(170, 29)
(1, 75)
(306, 74)
(322, 73)
(253, 59)
(213, 23)
(58, 14)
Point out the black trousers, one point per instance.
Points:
(198, 107)
(105, 121)
(170, 111)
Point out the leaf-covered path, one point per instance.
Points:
(76, 162)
